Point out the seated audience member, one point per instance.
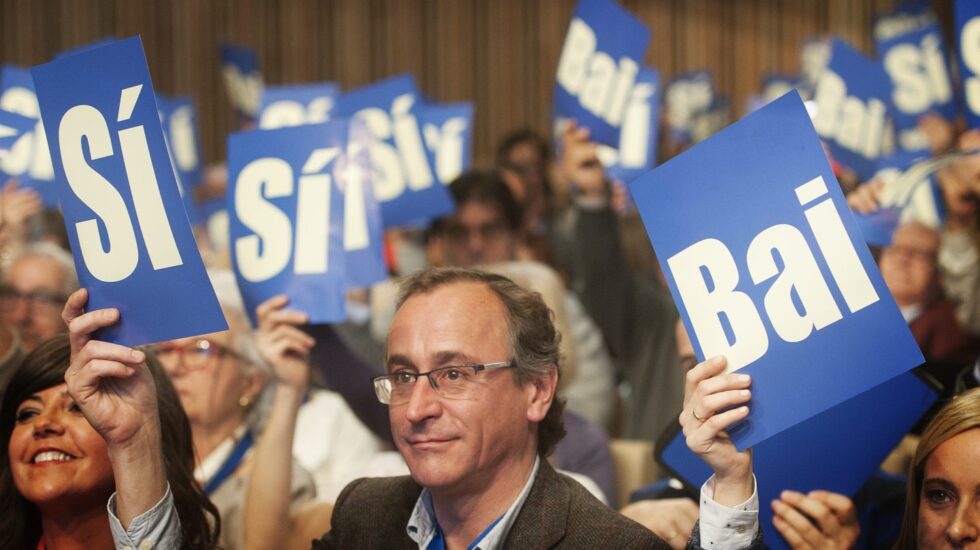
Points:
(943, 503)
(909, 268)
(220, 378)
(473, 367)
(113, 433)
(32, 292)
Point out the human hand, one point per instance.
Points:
(284, 346)
(671, 519)
(866, 198)
(713, 402)
(110, 382)
(819, 519)
(938, 131)
(579, 162)
(17, 205)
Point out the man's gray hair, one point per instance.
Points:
(535, 344)
(58, 255)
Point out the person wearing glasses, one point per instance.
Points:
(32, 292)
(222, 380)
(472, 371)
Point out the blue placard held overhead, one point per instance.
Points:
(405, 180)
(766, 267)
(685, 95)
(853, 102)
(906, 17)
(916, 63)
(448, 131)
(636, 153)
(967, 23)
(921, 203)
(363, 229)
(294, 105)
(12, 127)
(598, 66)
(243, 79)
(179, 120)
(286, 217)
(132, 244)
(28, 159)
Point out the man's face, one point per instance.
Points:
(478, 234)
(461, 446)
(909, 264)
(32, 299)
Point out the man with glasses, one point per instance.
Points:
(32, 292)
(472, 370)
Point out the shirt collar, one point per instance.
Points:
(422, 524)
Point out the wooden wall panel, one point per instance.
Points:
(501, 54)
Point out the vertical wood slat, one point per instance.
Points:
(500, 54)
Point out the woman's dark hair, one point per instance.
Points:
(20, 521)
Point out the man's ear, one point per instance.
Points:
(541, 392)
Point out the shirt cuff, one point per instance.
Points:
(158, 527)
(725, 528)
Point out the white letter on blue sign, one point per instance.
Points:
(919, 74)
(268, 222)
(970, 45)
(601, 86)
(313, 214)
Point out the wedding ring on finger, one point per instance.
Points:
(695, 415)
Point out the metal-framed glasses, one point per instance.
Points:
(453, 382)
(39, 301)
(194, 354)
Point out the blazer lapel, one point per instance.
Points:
(542, 520)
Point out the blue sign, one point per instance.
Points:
(598, 66)
(243, 79)
(363, 228)
(133, 247)
(636, 152)
(900, 204)
(448, 131)
(853, 102)
(28, 159)
(814, 55)
(686, 95)
(286, 214)
(967, 24)
(179, 120)
(855, 436)
(12, 127)
(767, 268)
(297, 104)
(85, 47)
(404, 175)
(916, 63)
(907, 17)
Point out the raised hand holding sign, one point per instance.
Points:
(132, 243)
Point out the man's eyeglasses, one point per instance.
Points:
(454, 382)
(37, 301)
(195, 354)
(461, 234)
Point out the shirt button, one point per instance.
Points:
(146, 545)
(740, 529)
(128, 548)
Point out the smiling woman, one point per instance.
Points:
(55, 469)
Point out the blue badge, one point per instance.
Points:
(28, 159)
(179, 120)
(598, 66)
(297, 104)
(131, 241)
(363, 229)
(853, 102)
(766, 267)
(286, 217)
(404, 175)
(448, 131)
(636, 151)
(685, 95)
(916, 63)
(243, 79)
(967, 24)
(12, 127)
(854, 436)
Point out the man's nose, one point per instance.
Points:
(424, 402)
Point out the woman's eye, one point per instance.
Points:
(938, 496)
(24, 415)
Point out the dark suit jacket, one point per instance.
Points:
(558, 513)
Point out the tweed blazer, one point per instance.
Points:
(558, 513)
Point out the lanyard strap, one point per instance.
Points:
(230, 464)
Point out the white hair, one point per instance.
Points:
(58, 255)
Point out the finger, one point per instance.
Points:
(814, 509)
(718, 423)
(839, 504)
(702, 371)
(788, 532)
(800, 523)
(272, 304)
(83, 380)
(293, 334)
(283, 316)
(81, 327)
(709, 405)
(95, 349)
(74, 305)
